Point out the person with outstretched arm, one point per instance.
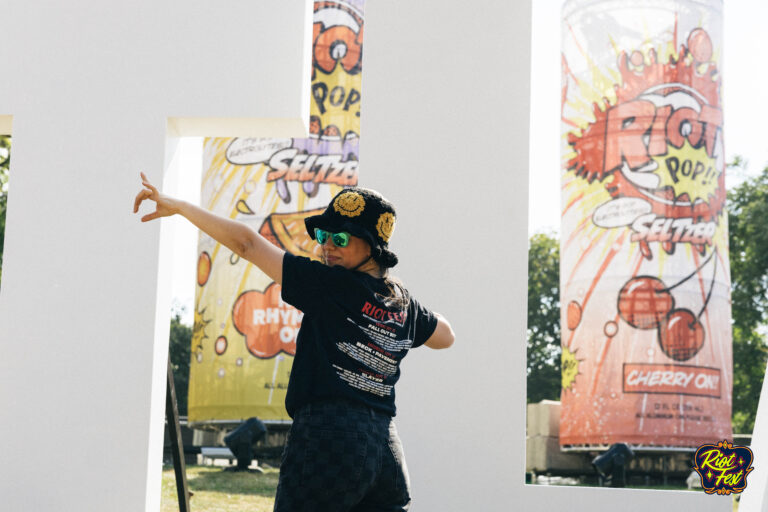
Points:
(343, 452)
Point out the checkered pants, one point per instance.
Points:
(342, 457)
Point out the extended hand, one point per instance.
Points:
(164, 205)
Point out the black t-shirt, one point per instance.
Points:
(352, 338)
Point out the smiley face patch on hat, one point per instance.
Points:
(385, 226)
(349, 204)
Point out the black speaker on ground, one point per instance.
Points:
(611, 465)
(241, 440)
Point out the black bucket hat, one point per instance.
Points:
(363, 213)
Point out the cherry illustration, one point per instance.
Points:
(644, 301)
(681, 335)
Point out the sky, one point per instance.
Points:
(744, 83)
(185, 235)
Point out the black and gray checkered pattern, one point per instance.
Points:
(342, 457)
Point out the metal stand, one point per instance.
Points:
(177, 447)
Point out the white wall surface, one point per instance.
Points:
(84, 305)
(445, 137)
(755, 496)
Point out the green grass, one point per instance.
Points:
(217, 491)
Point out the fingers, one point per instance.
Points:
(141, 196)
(147, 193)
(146, 183)
(150, 216)
(150, 192)
(137, 201)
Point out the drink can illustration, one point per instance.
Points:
(645, 280)
(244, 336)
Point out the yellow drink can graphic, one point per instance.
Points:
(244, 335)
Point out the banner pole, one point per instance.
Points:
(177, 447)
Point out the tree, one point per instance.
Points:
(543, 365)
(5, 164)
(179, 353)
(748, 241)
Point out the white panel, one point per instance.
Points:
(445, 137)
(84, 305)
(236, 127)
(755, 496)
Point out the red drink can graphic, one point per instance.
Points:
(645, 280)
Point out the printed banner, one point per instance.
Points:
(645, 285)
(244, 336)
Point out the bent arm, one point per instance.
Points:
(239, 238)
(443, 337)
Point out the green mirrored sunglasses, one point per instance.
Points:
(338, 239)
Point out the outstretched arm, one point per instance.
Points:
(238, 237)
